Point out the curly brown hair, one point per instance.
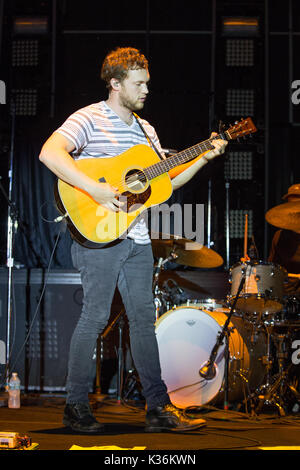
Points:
(117, 63)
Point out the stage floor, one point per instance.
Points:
(41, 420)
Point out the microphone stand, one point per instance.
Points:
(11, 226)
(208, 371)
(14, 222)
(226, 373)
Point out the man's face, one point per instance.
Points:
(134, 89)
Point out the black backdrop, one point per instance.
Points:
(189, 79)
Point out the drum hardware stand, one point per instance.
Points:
(155, 287)
(156, 274)
(271, 398)
(274, 393)
(120, 359)
(157, 292)
(120, 321)
(132, 382)
(252, 406)
(99, 359)
(157, 303)
(267, 359)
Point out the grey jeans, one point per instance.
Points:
(130, 267)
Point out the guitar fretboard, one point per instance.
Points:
(184, 156)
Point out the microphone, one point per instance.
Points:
(208, 371)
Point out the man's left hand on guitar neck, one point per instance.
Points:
(193, 167)
(219, 149)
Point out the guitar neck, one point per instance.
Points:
(182, 157)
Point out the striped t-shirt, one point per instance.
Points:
(97, 131)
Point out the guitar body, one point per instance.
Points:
(93, 225)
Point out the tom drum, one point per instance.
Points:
(263, 289)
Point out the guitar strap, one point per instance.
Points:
(147, 137)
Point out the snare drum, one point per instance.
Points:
(263, 289)
(186, 337)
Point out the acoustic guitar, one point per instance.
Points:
(143, 181)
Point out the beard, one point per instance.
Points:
(129, 103)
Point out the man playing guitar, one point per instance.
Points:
(105, 130)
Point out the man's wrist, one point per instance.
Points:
(211, 155)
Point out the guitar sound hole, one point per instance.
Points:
(135, 180)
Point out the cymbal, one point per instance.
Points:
(188, 253)
(286, 216)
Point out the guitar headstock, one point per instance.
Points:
(242, 128)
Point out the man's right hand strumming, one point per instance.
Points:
(106, 195)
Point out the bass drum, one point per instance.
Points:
(186, 336)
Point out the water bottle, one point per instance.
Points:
(14, 386)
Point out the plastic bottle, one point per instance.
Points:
(14, 386)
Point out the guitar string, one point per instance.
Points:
(138, 176)
(141, 174)
(189, 152)
(122, 187)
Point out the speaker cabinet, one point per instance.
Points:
(41, 327)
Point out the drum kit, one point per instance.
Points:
(235, 352)
(232, 351)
